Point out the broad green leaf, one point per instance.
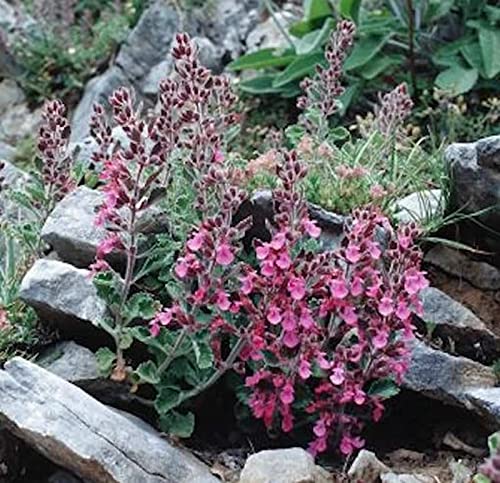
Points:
(167, 399)
(178, 424)
(493, 13)
(472, 54)
(314, 40)
(314, 9)
(438, 9)
(107, 287)
(264, 85)
(294, 134)
(302, 66)
(140, 306)
(262, 59)
(489, 40)
(126, 340)
(383, 388)
(379, 65)
(203, 354)
(364, 51)
(457, 80)
(105, 359)
(350, 9)
(148, 372)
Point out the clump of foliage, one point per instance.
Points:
(72, 42)
(315, 337)
(397, 41)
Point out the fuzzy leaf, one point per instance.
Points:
(140, 306)
(457, 80)
(148, 372)
(168, 398)
(383, 388)
(302, 66)
(263, 59)
(178, 424)
(489, 40)
(105, 359)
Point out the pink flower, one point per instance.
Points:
(353, 253)
(196, 242)
(349, 315)
(337, 377)
(322, 362)
(402, 311)
(99, 266)
(224, 255)
(374, 251)
(218, 156)
(349, 444)
(359, 397)
(284, 261)
(154, 328)
(108, 245)
(291, 339)
(306, 319)
(297, 288)
(267, 269)
(415, 281)
(320, 428)
(181, 268)
(311, 228)
(247, 283)
(304, 369)
(380, 340)
(274, 315)
(289, 322)
(278, 242)
(222, 300)
(262, 251)
(338, 288)
(386, 307)
(356, 287)
(287, 394)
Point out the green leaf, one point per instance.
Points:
(178, 424)
(203, 354)
(494, 442)
(472, 54)
(349, 95)
(167, 399)
(481, 479)
(262, 59)
(379, 65)
(315, 39)
(105, 359)
(489, 40)
(107, 287)
(365, 50)
(339, 133)
(457, 80)
(140, 306)
(294, 134)
(302, 66)
(126, 339)
(260, 85)
(493, 13)
(350, 9)
(314, 9)
(148, 372)
(383, 388)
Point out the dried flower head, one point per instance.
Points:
(53, 143)
(395, 107)
(322, 91)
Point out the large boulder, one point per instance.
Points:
(475, 172)
(65, 298)
(454, 262)
(451, 319)
(446, 378)
(82, 435)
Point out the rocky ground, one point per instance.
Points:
(62, 422)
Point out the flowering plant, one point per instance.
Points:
(194, 111)
(330, 326)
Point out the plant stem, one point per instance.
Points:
(180, 339)
(228, 363)
(411, 42)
